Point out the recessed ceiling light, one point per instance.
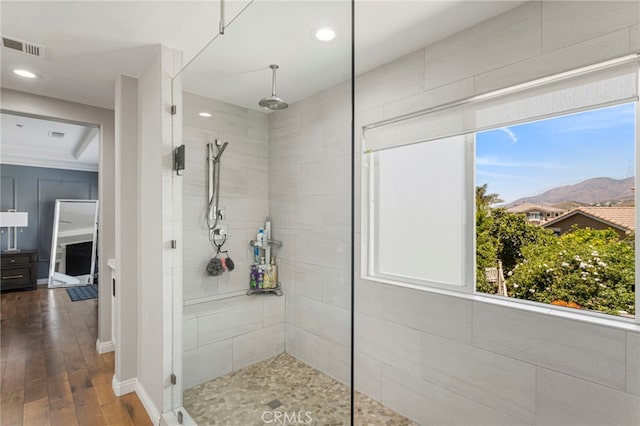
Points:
(24, 73)
(204, 114)
(324, 34)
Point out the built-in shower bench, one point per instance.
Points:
(224, 335)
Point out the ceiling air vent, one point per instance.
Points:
(56, 134)
(25, 47)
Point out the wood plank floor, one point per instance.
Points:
(51, 372)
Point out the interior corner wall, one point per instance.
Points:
(27, 103)
(126, 227)
(156, 258)
(442, 360)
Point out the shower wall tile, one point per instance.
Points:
(495, 381)
(367, 375)
(429, 404)
(565, 24)
(258, 346)
(389, 343)
(336, 360)
(633, 363)
(304, 345)
(274, 310)
(634, 38)
(308, 280)
(198, 366)
(573, 56)
(190, 334)
(582, 350)
(565, 400)
(227, 324)
(430, 312)
(396, 80)
(505, 39)
(336, 287)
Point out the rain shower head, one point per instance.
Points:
(273, 102)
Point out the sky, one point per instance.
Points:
(528, 159)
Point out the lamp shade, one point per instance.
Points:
(11, 219)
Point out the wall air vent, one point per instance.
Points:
(25, 47)
(56, 134)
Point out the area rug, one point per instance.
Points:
(83, 293)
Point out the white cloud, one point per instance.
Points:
(509, 133)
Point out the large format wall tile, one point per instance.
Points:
(258, 346)
(580, 349)
(493, 380)
(427, 311)
(563, 400)
(633, 363)
(566, 23)
(429, 404)
(389, 343)
(207, 362)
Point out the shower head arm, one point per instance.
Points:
(273, 79)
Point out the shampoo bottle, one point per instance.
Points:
(274, 273)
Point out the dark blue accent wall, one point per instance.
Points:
(34, 190)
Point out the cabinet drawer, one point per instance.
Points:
(15, 260)
(15, 277)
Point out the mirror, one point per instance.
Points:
(73, 243)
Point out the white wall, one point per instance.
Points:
(444, 360)
(158, 264)
(126, 225)
(64, 110)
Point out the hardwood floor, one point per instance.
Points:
(51, 372)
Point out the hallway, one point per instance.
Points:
(51, 372)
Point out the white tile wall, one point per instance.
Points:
(633, 363)
(428, 404)
(583, 350)
(258, 346)
(565, 400)
(566, 23)
(433, 313)
(207, 362)
(496, 381)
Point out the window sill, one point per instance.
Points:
(595, 318)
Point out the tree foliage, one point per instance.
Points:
(592, 269)
(587, 269)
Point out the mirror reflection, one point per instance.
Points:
(73, 243)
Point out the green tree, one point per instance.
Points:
(590, 269)
(486, 244)
(512, 232)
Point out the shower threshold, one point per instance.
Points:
(282, 390)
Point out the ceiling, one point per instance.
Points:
(88, 43)
(27, 141)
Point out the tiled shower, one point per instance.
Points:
(434, 358)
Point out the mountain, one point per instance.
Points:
(601, 190)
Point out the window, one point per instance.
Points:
(582, 164)
(426, 176)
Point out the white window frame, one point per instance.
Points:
(467, 289)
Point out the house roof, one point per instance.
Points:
(526, 207)
(623, 218)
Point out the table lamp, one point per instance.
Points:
(13, 219)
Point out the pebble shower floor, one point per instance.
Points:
(266, 392)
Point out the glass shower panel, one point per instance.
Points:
(266, 219)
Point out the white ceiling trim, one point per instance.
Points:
(19, 160)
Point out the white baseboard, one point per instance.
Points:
(152, 410)
(124, 387)
(42, 281)
(104, 347)
(170, 418)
